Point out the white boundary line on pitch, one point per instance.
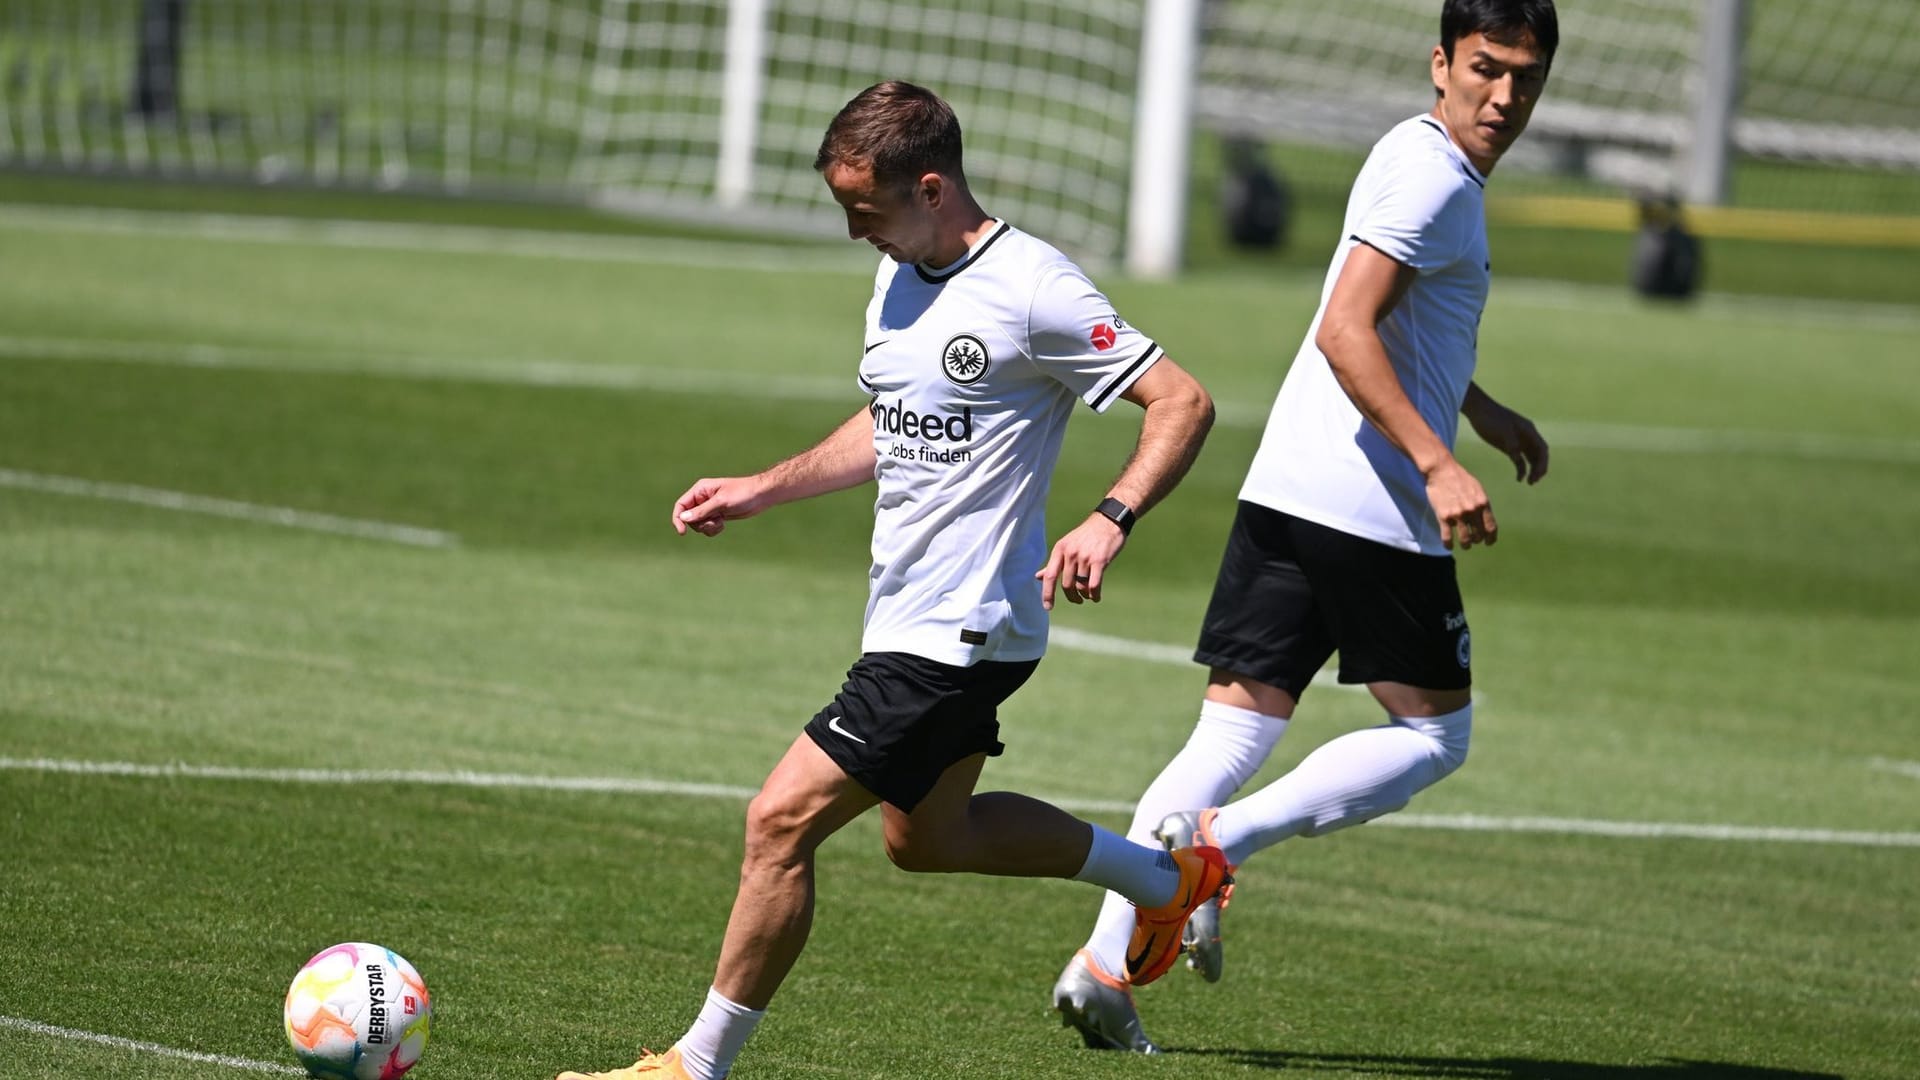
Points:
(641, 786)
(34, 1027)
(1909, 769)
(777, 387)
(1087, 641)
(748, 255)
(442, 239)
(227, 508)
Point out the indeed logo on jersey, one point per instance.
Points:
(897, 419)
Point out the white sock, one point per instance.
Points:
(1145, 874)
(710, 1045)
(1352, 779)
(1228, 745)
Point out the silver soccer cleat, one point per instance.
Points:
(1100, 1007)
(1201, 937)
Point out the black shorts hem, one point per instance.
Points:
(1249, 664)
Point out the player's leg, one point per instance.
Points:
(1401, 629)
(1263, 641)
(804, 800)
(953, 829)
(935, 822)
(1006, 834)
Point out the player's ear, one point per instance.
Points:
(1440, 70)
(932, 190)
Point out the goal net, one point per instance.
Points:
(624, 103)
(1829, 82)
(710, 110)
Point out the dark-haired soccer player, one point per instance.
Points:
(979, 340)
(1352, 508)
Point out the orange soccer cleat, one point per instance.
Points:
(1201, 938)
(1157, 931)
(651, 1066)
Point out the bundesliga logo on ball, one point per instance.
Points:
(358, 1012)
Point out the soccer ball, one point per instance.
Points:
(358, 1012)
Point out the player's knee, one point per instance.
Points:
(776, 830)
(921, 854)
(1449, 734)
(1237, 740)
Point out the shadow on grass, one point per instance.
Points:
(1499, 1068)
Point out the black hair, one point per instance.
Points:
(1504, 21)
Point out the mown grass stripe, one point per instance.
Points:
(1564, 434)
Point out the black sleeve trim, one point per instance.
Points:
(1124, 378)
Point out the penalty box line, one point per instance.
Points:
(647, 786)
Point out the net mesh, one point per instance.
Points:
(616, 101)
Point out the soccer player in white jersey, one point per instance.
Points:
(979, 340)
(1352, 507)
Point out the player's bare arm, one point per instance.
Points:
(1178, 414)
(1369, 286)
(1508, 432)
(842, 460)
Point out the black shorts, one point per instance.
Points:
(1291, 593)
(902, 720)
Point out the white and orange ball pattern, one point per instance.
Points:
(358, 1012)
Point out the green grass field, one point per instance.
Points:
(1696, 645)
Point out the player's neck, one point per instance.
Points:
(970, 226)
(1485, 168)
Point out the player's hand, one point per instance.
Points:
(1461, 505)
(709, 504)
(1513, 435)
(1079, 562)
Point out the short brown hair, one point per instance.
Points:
(899, 130)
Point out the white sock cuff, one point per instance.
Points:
(1222, 713)
(1451, 730)
(732, 1008)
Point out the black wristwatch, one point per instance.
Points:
(1119, 513)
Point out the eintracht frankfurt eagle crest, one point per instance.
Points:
(964, 360)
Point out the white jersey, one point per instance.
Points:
(974, 370)
(1417, 200)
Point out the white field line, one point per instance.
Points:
(775, 258)
(1153, 652)
(1725, 307)
(1904, 768)
(510, 372)
(440, 239)
(1564, 434)
(642, 786)
(227, 508)
(1651, 439)
(247, 1064)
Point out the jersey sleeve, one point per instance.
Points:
(1076, 337)
(1423, 218)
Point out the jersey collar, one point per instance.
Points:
(940, 274)
(1460, 158)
